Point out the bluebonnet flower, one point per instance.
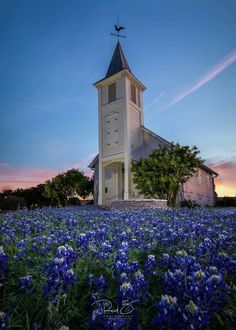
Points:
(66, 252)
(193, 318)
(99, 283)
(99, 287)
(35, 246)
(224, 262)
(168, 313)
(174, 281)
(150, 265)
(206, 248)
(126, 291)
(121, 262)
(185, 262)
(25, 283)
(115, 323)
(106, 249)
(134, 266)
(120, 267)
(124, 277)
(3, 320)
(122, 254)
(199, 275)
(166, 259)
(36, 326)
(3, 265)
(99, 321)
(82, 241)
(90, 279)
(59, 272)
(140, 285)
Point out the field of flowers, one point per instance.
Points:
(85, 268)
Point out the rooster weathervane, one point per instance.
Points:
(118, 28)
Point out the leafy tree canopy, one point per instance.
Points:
(66, 185)
(53, 192)
(161, 174)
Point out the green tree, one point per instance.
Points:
(34, 196)
(67, 184)
(161, 174)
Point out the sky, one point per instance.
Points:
(52, 52)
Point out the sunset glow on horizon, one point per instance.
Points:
(225, 191)
(14, 178)
(226, 181)
(22, 178)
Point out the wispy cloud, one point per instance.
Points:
(226, 181)
(215, 71)
(154, 101)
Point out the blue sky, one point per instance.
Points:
(53, 51)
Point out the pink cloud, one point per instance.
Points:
(13, 177)
(215, 71)
(12, 185)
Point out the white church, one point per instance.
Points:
(123, 138)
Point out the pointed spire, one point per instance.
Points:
(118, 62)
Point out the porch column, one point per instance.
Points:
(117, 181)
(100, 183)
(127, 180)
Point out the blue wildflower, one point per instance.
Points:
(169, 314)
(3, 320)
(150, 265)
(3, 265)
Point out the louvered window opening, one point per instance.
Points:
(111, 92)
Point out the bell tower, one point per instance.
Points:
(120, 118)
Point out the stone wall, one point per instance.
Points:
(131, 204)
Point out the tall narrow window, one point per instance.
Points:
(103, 100)
(139, 101)
(111, 92)
(133, 93)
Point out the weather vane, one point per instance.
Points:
(118, 28)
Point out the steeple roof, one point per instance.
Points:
(118, 62)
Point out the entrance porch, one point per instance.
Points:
(113, 182)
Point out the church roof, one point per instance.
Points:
(117, 65)
(207, 169)
(118, 62)
(93, 163)
(158, 137)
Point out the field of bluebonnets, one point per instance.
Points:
(85, 268)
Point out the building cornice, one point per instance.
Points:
(124, 73)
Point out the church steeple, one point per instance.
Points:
(120, 113)
(118, 62)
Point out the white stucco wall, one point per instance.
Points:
(199, 188)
